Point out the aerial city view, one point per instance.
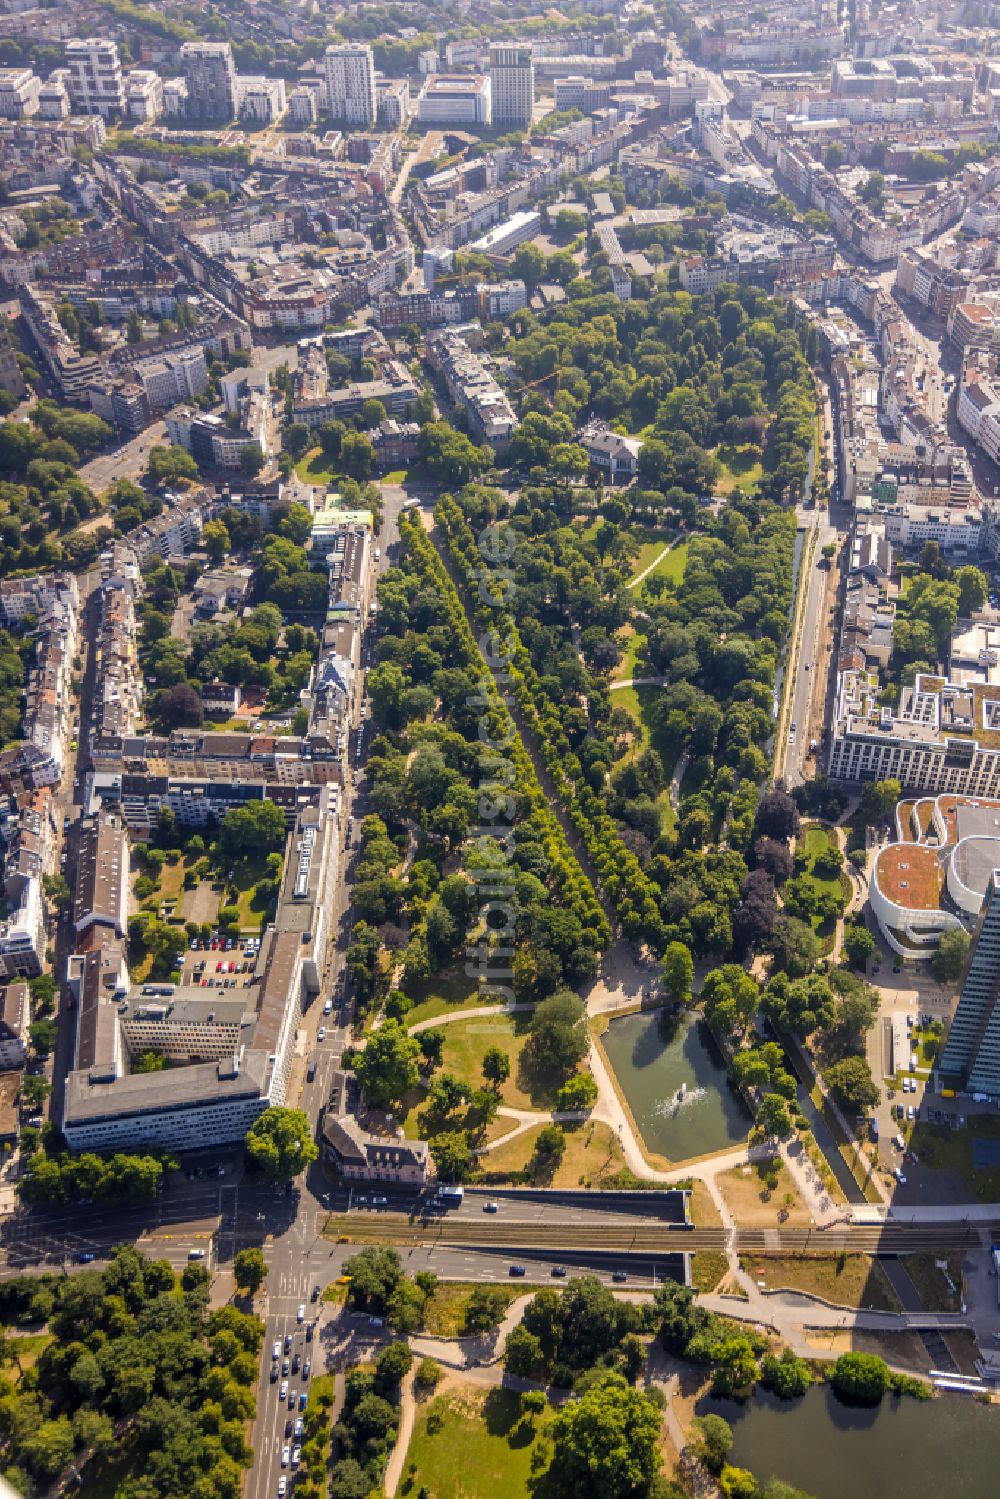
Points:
(500, 749)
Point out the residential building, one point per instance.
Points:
(392, 101)
(53, 96)
(210, 75)
(175, 98)
(512, 83)
(262, 101)
(472, 385)
(22, 935)
(18, 93)
(144, 95)
(501, 298)
(362, 1152)
(35, 595)
(15, 1015)
(11, 378)
(350, 82)
(102, 873)
(455, 99)
(971, 1055)
(507, 236)
(175, 377)
(303, 106)
(395, 389)
(941, 737)
(616, 455)
(96, 85)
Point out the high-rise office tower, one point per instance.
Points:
(350, 82)
(96, 86)
(512, 83)
(210, 74)
(971, 1056)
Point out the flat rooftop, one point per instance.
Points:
(910, 875)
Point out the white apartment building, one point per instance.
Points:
(512, 83)
(53, 96)
(22, 935)
(455, 99)
(350, 82)
(262, 100)
(508, 235)
(393, 100)
(173, 378)
(303, 106)
(144, 95)
(503, 298)
(18, 93)
(96, 85)
(175, 98)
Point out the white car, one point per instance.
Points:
(911, 1113)
(284, 1389)
(276, 1350)
(898, 1174)
(282, 1487)
(285, 1454)
(296, 1455)
(300, 1315)
(321, 1033)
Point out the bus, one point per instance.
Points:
(450, 1197)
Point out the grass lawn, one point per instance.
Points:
(28, 1348)
(471, 1444)
(446, 994)
(466, 1043)
(445, 1312)
(632, 645)
(395, 476)
(592, 1154)
(313, 468)
(648, 552)
(815, 840)
(671, 567)
(245, 876)
(854, 1280)
(704, 1213)
(741, 468)
(708, 1268)
(753, 1204)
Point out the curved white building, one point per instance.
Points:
(935, 877)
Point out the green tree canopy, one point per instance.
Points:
(279, 1143)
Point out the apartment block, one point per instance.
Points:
(210, 75)
(18, 93)
(96, 84)
(143, 95)
(350, 82)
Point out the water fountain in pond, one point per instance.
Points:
(668, 1108)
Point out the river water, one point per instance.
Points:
(948, 1448)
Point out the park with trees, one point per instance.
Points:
(136, 1384)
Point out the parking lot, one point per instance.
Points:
(220, 963)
